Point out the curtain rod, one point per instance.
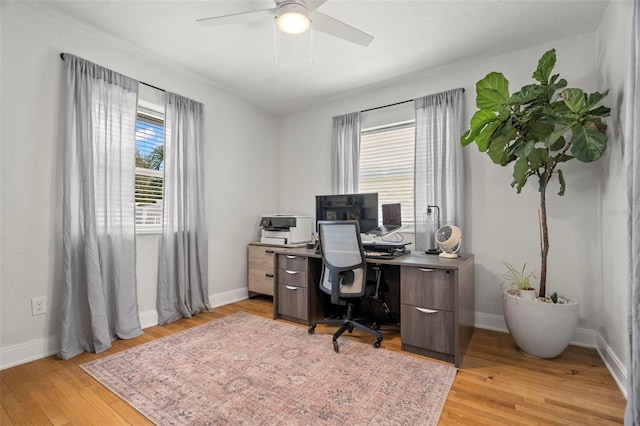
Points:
(142, 82)
(394, 104)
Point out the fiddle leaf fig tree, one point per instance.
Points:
(537, 128)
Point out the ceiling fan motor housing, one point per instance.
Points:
(293, 17)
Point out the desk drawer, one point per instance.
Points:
(292, 277)
(431, 288)
(260, 281)
(293, 302)
(261, 257)
(429, 329)
(291, 262)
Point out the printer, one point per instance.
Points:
(283, 229)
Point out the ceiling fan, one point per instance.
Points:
(295, 17)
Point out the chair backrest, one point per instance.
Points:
(344, 264)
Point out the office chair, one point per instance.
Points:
(344, 275)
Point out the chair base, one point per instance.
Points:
(347, 324)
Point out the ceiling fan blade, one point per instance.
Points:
(328, 25)
(239, 18)
(314, 4)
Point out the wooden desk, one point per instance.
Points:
(436, 297)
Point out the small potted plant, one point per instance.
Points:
(538, 129)
(519, 281)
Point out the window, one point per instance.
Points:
(149, 172)
(387, 164)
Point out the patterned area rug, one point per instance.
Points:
(244, 369)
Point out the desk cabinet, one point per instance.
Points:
(436, 320)
(260, 272)
(293, 287)
(296, 298)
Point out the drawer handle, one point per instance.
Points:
(426, 269)
(290, 256)
(291, 272)
(290, 287)
(268, 275)
(427, 311)
(269, 251)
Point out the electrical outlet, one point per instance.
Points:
(38, 305)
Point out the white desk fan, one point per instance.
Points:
(449, 238)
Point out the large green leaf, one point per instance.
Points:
(522, 148)
(545, 66)
(574, 99)
(520, 173)
(499, 150)
(492, 91)
(587, 143)
(595, 97)
(562, 183)
(539, 131)
(537, 158)
(551, 140)
(601, 111)
(480, 119)
(558, 144)
(483, 139)
(527, 94)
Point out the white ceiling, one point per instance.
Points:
(410, 37)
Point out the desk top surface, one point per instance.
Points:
(412, 259)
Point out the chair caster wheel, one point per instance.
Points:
(312, 329)
(376, 344)
(336, 347)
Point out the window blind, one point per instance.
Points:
(387, 166)
(149, 173)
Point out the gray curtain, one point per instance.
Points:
(99, 298)
(345, 153)
(632, 154)
(183, 287)
(438, 164)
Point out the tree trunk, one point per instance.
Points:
(545, 244)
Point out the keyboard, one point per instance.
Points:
(379, 254)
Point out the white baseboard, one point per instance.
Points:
(616, 368)
(28, 351)
(228, 297)
(489, 322)
(148, 318)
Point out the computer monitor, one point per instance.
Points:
(391, 220)
(360, 207)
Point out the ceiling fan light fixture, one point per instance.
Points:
(293, 19)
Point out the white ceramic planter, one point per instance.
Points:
(540, 329)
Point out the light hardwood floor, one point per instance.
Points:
(495, 385)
